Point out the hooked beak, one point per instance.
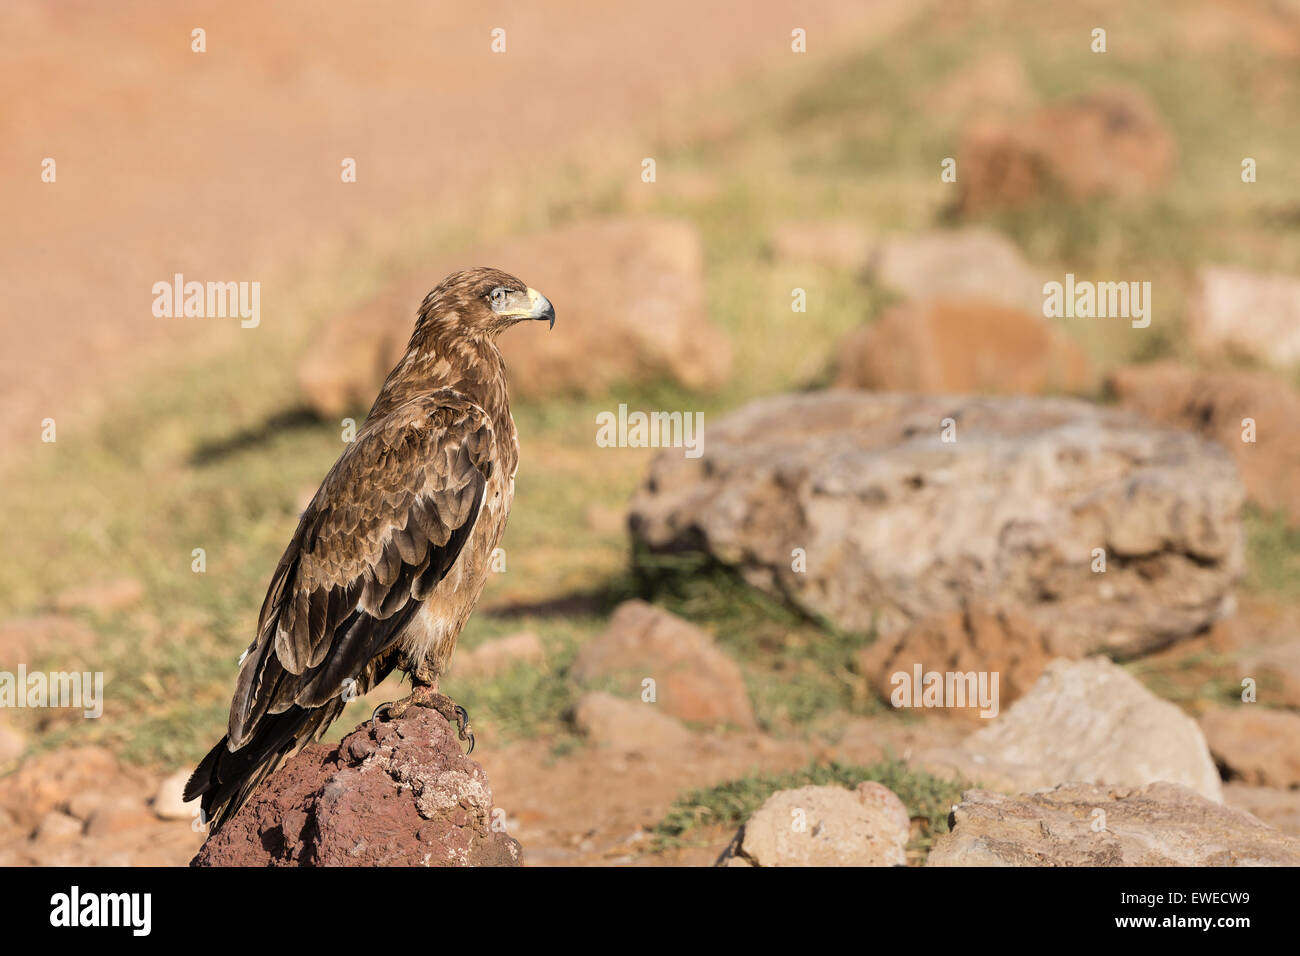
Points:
(530, 304)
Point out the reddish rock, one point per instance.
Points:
(1215, 404)
(47, 782)
(118, 815)
(972, 264)
(961, 346)
(694, 680)
(630, 726)
(1001, 640)
(1254, 744)
(1107, 143)
(398, 793)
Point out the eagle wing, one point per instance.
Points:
(388, 523)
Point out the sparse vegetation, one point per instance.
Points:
(213, 451)
(928, 799)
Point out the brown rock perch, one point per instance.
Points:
(397, 793)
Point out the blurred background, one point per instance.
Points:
(775, 169)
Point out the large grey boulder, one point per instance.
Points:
(1162, 824)
(854, 507)
(1084, 721)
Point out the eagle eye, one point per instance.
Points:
(498, 297)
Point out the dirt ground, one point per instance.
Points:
(225, 165)
(593, 806)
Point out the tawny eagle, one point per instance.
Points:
(393, 551)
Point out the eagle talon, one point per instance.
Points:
(462, 718)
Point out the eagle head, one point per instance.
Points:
(482, 301)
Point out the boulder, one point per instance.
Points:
(1108, 143)
(1086, 721)
(1247, 314)
(1216, 404)
(970, 264)
(1080, 824)
(981, 637)
(946, 346)
(629, 300)
(854, 507)
(399, 793)
(1255, 744)
(629, 726)
(823, 826)
(694, 680)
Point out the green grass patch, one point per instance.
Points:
(928, 799)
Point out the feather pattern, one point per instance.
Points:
(393, 551)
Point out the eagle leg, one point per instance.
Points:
(426, 695)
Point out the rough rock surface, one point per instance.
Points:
(897, 524)
(1216, 404)
(1255, 744)
(949, 346)
(1084, 721)
(1162, 824)
(981, 637)
(1111, 142)
(398, 793)
(1248, 314)
(958, 264)
(629, 295)
(823, 826)
(694, 680)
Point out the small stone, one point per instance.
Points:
(628, 725)
(168, 800)
(822, 826)
(1255, 744)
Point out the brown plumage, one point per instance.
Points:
(393, 551)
